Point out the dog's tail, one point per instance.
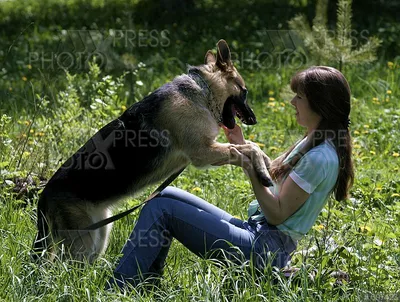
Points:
(40, 243)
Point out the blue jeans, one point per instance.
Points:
(204, 229)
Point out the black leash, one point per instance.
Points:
(106, 221)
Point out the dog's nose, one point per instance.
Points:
(244, 93)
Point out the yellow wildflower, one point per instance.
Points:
(272, 104)
(196, 189)
(366, 126)
(31, 131)
(372, 152)
(260, 145)
(389, 92)
(123, 108)
(282, 104)
(27, 123)
(271, 99)
(318, 227)
(356, 132)
(29, 66)
(357, 146)
(390, 64)
(26, 154)
(365, 229)
(395, 195)
(252, 137)
(395, 154)
(379, 188)
(24, 79)
(270, 92)
(375, 99)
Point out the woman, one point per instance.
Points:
(304, 177)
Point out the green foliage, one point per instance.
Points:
(334, 48)
(46, 115)
(87, 103)
(358, 236)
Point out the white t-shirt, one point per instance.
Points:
(316, 173)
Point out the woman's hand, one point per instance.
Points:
(235, 135)
(247, 154)
(240, 160)
(254, 152)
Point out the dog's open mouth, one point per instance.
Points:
(236, 106)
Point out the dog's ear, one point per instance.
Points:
(223, 55)
(209, 58)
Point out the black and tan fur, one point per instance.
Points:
(172, 127)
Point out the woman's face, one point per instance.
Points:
(305, 116)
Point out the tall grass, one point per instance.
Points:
(46, 115)
(358, 236)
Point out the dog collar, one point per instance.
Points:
(195, 76)
(199, 81)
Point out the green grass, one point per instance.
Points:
(359, 236)
(46, 115)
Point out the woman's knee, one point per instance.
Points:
(160, 205)
(172, 192)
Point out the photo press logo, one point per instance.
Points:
(77, 48)
(273, 50)
(98, 151)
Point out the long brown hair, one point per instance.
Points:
(328, 94)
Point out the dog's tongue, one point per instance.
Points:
(228, 118)
(229, 123)
(228, 114)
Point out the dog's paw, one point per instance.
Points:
(265, 181)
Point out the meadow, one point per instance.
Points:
(68, 68)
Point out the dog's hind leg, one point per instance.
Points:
(85, 245)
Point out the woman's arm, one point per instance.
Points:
(278, 208)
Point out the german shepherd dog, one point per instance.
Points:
(175, 125)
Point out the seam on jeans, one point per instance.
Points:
(165, 213)
(121, 263)
(237, 245)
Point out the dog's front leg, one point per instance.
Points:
(215, 154)
(220, 154)
(259, 160)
